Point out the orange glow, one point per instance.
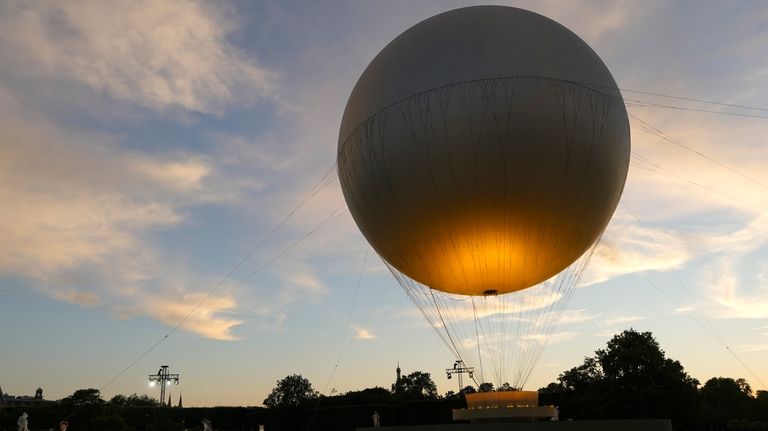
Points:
(479, 258)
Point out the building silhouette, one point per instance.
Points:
(7, 400)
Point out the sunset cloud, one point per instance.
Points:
(74, 198)
(551, 338)
(754, 348)
(194, 312)
(622, 319)
(157, 55)
(77, 209)
(627, 247)
(729, 298)
(85, 299)
(81, 205)
(363, 334)
(309, 283)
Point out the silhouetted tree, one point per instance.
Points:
(134, 400)
(761, 405)
(582, 390)
(91, 413)
(630, 378)
(291, 391)
(552, 395)
(552, 388)
(485, 387)
(505, 387)
(725, 398)
(418, 384)
(83, 397)
(376, 395)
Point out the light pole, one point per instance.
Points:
(459, 368)
(163, 379)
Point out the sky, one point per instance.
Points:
(149, 150)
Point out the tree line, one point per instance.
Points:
(633, 378)
(630, 378)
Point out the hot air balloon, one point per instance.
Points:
(482, 153)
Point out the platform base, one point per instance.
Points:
(606, 425)
(505, 414)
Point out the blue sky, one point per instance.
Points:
(148, 147)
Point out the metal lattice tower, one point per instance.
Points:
(459, 368)
(163, 378)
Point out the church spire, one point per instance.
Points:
(398, 371)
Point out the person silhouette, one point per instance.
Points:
(22, 422)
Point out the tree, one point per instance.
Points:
(83, 398)
(725, 398)
(291, 391)
(505, 387)
(134, 400)
(551, 395)
(485, 387)
(469, 389)
(375, 395)
(761, 404)
(630, 378)
(580, 392)
(91, 413)
(552, 388)
(418, 384)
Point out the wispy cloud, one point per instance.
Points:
(71, 198)
(681, 209)
(309, 283)
(198, 315)
(497, 342)
(727, 298)
(77, 211)
(551, 338)
(754, 348)
(629, 248)
(591, 20)
(158, 55)
(514, 307)
(85, 299)
(576, 316)
(620, 320)
(607, 333)
(82, 207)
(363, 334)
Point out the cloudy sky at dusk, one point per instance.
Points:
(148, 151)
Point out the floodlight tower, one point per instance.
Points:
(163, 379)
(459, 368)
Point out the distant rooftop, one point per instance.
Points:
(7, 400)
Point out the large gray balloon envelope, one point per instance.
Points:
(484, 150)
